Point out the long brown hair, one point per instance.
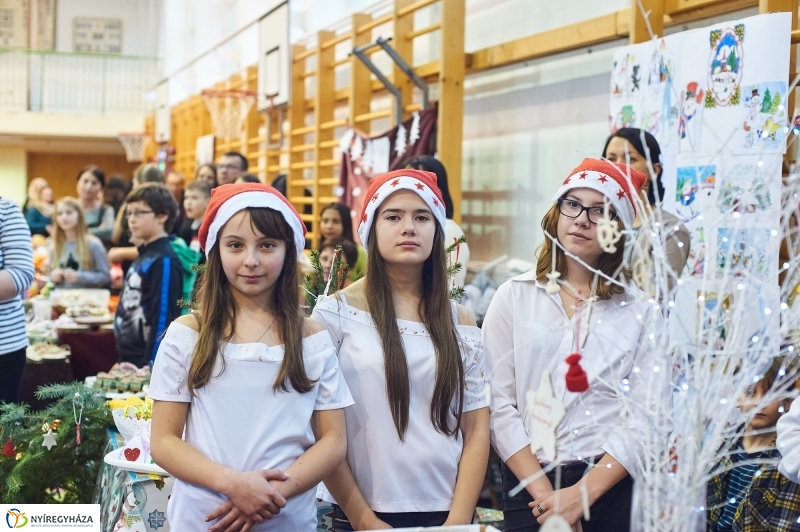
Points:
(437, 316)
(217, 310)
(84, 257)
(608, 263)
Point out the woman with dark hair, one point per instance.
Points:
(418, 433)
(208, 173)
(116, 190)
(640, 150)
(554, 321)
(99, 217)
(336, 222)
(452, 231)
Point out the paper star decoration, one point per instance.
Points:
(49, 440)
(156, 519)
(546, 413)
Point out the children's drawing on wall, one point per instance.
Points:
(714, 325)
(725, 67)
(695, 264)
(743, 189)
(626, 77)
(765, 119)
(694, 191)
(660, 111)
(690, 125)
(626, 117)
(743, 252)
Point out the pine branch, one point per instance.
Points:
(452, 247)
(456, 293)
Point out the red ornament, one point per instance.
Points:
(8, 448)
(132, 454)
(78, 436)
(576, 378)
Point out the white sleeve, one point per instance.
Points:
(332, 392)
(171, 369)
(507, 426)
(474, 368)
(647, 408)
(326, 312)
(789, 443)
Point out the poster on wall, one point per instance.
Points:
(715, 98)
(101, 35)
(14, 24)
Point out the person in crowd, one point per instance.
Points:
(99, 217)
(418, 433)
(337, 223)
(39, 211)
(195, 203)
(208, 173)
(115, 192)
(230, 466)
(247, 178)
(175, 182)
(349, 255)
(78, 258)
(749, 493)
(639, 150)
(452, 231)
(529, 331)
(35, 188)
(153, 284)
(16, 275)
(148, 173)
(231, 165)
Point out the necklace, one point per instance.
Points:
(579, 301)
(262, 334)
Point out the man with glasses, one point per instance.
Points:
(231, 165)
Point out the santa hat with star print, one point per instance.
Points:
(382, 186)
(227, 200)
(617, 182)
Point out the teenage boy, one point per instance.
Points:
(153, 285)
(735, 496)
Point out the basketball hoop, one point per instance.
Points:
(228, 109)
(134, 144)
(269, 109)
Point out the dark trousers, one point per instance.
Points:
(11, 367)
(395, 520)
(610, 513)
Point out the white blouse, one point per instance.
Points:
(238, 421)
(419, 473)
(526, 332)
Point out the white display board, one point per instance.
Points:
(715, 98)
(102, 35)
(274, 64)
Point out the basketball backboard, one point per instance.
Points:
(163, 113)
(274, 64)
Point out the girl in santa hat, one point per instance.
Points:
(581, 342)
(254, 386)
(418, 433)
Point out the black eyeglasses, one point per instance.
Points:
(572, 209)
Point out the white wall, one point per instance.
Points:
(139, 22)
(13, 173)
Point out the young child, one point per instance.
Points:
(755, 496)
(78, 258)
(195, 203)
(418, 434)
(153, 284)
(336, 222)
(255, 387)
(349, 255)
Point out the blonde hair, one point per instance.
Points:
(35, 188)
(82, 235)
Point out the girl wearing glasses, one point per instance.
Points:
(533, 326)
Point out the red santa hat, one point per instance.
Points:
(227, 200)
(381, 187)
(617, 182)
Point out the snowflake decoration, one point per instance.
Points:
(156, 519)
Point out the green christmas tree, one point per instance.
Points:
(776, 104)
(67, 472)
(767, 103)
(315, 283)
(733, 63)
